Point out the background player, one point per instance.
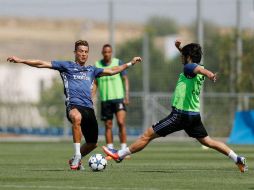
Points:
(185, 110)
(114, 96)
(78, 80)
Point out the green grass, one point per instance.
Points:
(162, 165)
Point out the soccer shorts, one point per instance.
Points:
(108, 108)
(181, 120)
(89, 125)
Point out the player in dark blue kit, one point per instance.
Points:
(78, 81)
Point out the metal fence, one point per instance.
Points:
(218, 114)
(218, 110)
(218, 117)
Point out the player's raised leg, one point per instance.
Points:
(137, 146)
(89, 127)
(76, 118)
(224, 149)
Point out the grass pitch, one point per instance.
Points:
(162, 165)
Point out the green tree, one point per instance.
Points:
(161, 26)
(220, 56)
(162, 73)
(51, 105)
(247, 79)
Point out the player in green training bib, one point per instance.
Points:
(185, 113)
(114, 95)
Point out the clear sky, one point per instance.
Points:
(222, 12)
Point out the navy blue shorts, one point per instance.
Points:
(180, 120)
(108, 108)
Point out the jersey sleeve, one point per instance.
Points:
(124, 72)
(97, 71)
(59, 65)
(189, 70)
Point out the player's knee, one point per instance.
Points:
(109, 124)
(121, 124)
(76, 119)
(209, 142)
(147, 136)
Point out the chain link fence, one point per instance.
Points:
(218, 116)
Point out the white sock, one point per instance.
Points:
(232, 155)
(77, 149)
(123, 146)
(110, 145)
(124, 152)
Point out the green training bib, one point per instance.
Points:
(186, 94)
(110, 87)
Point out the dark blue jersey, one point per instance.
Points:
(188, 70)
(78, 81)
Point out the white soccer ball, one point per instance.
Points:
(97, 162)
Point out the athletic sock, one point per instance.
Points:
(123, 146)
(233, 155)
(77, 149)
(124, 152)
(110, 145)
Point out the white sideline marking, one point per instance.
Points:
(72, 187)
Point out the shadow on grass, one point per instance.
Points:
(157, 171)
(184, 170)
(48, 170)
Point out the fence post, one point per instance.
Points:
(146, 81)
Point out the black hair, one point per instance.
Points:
(106, 45)
(193, 50)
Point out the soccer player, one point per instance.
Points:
(78, 80)
(185, 110)
(114, 95)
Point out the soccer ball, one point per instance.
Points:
(97, 162)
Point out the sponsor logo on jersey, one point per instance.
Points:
(81, 76)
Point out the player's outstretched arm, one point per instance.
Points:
(118, 69)
(30, 62)
(205, 72)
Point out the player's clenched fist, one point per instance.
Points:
(136, 60)
(14, 59)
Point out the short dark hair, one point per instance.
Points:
(81, 43)
(193, 50)
(106, 45)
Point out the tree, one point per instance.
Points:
(162, 73)
(51, 105)
(161, 26)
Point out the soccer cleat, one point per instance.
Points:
(81, 167)
(75, 163)
(241, 163)
(112, 153)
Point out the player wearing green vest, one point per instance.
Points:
(185, 111)
(114, 95)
